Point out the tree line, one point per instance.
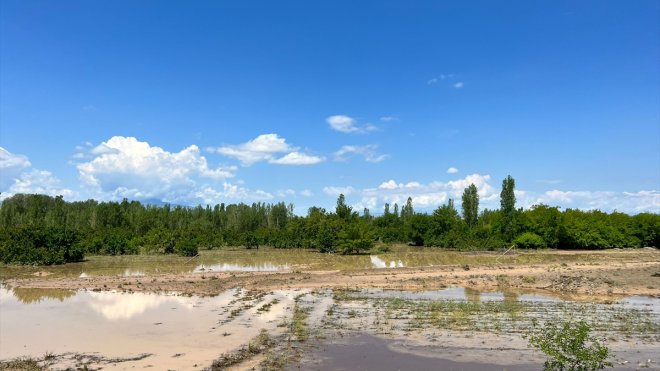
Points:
(39, 229)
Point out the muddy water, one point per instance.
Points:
(264, 259)
(367, 352)
(174, 331)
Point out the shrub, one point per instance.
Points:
(37, 245)
(569, 347)
(529, 240)
(186, 246)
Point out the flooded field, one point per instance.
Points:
(120, 330)
(284, 309)
(271, 260)
(455, 327)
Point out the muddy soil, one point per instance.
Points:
(606, 274)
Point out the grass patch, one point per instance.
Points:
(257, 346)
(22, 364)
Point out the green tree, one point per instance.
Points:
(508, 208)
(355, 238)
(407, 211)
(470, 205)
(342, 210)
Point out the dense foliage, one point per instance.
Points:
(38, 229)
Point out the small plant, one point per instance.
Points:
(569, 346)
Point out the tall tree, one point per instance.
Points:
(470, 205)
(407, 212)
(508, 208)
(343, 211)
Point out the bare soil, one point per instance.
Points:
(604, 274)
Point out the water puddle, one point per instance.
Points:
(367, 352)
(176, 331)
(227, 267)
(458, 293)
(377, 262)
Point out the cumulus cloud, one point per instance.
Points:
(458, 85)
(635, 202)
(367, 151)
(387, 118)
(336, 191)
(452, 170)
(11, 167)
(432, 81)
(347, 124)
(10, 160)
(230, 192)
(18, 176)
(37, 181)
(431, 195)
(425, 195)
(267, 147)
(127, 167)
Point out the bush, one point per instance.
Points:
(37, 245)
(251, 241)
(186, 246)
(355, 238)
(569, 347)
(529, 240)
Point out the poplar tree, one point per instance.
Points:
(470, 205)
(508, 208)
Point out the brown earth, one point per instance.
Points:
(607, 273)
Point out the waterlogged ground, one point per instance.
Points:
(410, 308)
(272, 260)
(117, 330)
(455, 328)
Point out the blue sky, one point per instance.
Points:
(217, 101)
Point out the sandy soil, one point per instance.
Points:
(608, 273)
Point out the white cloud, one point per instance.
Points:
(297, 158)
(347, 124)
(452, 170)
(458, 85)
(388, 118)
(11, 167)
(10, 160)
(431, 195)
(426, 195)
(37, 181)
(367, 151)
(127, 167)
(266, 147)
(390, 184)
(261, 148)
(641, 201)
(342, 123)
(231, 192)
(306, 193)
(18, 176)
(432, 81)
(335, 191)
(285, 193)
